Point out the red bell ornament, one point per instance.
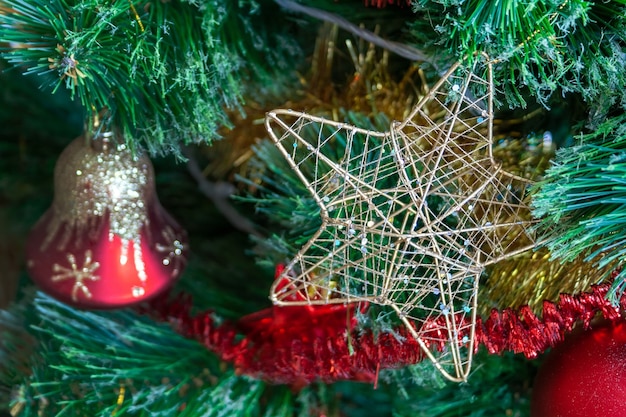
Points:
(106, 241)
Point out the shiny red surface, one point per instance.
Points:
(584, 376)
(118, 282)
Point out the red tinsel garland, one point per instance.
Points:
(299, 345)
(384, 3)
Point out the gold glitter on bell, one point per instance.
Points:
(106, 241)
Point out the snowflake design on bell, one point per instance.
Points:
(173, 250)
(79, 274)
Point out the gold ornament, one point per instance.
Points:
(410, 217)
(106, 241)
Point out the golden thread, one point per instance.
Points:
(17, 408)
(43, 404)
(552, 19)
(137, 18)
(320, 94)
(532, 277)
(120, 400)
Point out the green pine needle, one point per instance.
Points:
(119, 363)
(166, 71)
(84, 358)
(540, 47)
(496, 387)
(80, 360)
(582, 201)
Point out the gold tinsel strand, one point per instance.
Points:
(370, 90)
(533, 277)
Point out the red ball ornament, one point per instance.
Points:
(585, 376)
(106, 241)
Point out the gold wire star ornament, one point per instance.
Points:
(410, 217)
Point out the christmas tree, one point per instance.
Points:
(407, 208)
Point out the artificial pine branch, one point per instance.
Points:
(540, 48)
(583, 200)
(496, 389)
(164, 71)
(121, 363)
